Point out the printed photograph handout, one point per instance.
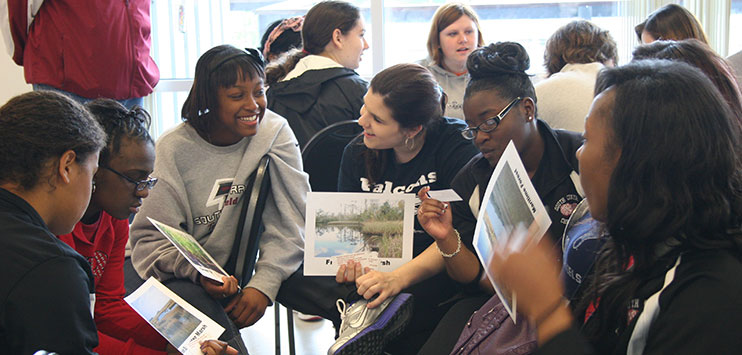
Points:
(510, 204)
(193, 252)
(175, 319)
(371, 226)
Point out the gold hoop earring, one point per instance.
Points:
(410, 146)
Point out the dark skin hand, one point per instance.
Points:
(247, 307)
(217, 347)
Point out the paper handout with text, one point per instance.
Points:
(510, 203)
(176, 320)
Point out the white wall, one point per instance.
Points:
(12, 76)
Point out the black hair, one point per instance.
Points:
(414, 98)
(38, 127)
(677, 183)
(119, 122)
(287, 41)
(319, 24)
(502, 67)
(220, 67)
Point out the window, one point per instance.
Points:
(184, 29)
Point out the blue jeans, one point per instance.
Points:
(129, 103)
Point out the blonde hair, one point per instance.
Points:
(444, 16)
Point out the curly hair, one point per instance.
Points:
(579, 42)
(119, 122)
(500, 66)
(38, 127)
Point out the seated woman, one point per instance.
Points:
(661, 169)
(280, 37)
(454, 34)
(670, 22)
(500, 106)
(49, 149)
(202, 166)
(406, 145)
(122, 181)
(574, 55)
(317, 86)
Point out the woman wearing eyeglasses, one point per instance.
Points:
(500, 106)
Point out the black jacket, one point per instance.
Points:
(45, 286)
(552, 182)
(317, 99)
(700, 311)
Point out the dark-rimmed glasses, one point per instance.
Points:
(149, 183)
(490, 124)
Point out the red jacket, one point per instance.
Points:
(91, 48)
(120, 329)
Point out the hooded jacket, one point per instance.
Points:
(317, 98)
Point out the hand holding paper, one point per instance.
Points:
(434, 216)
(531, 273)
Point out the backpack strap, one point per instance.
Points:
(651, 310)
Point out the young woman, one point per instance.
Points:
(202, 166)
(317, 86)
(122, 181)
(670, 22)
(500, 106)
(454, 34)
(574, 55)
(49, 149)
(661, 169)
(406, 145)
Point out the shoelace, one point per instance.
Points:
(340, 303)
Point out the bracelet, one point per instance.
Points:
(458, 246)
(548, 312)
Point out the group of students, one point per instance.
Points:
(650, 260)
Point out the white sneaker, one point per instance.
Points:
(367, 330)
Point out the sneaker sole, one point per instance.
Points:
(390, 324)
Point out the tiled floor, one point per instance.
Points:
(310, 337)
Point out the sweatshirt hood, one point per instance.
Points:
(301, 93)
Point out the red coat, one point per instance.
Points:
(120, 329)
(91, 48)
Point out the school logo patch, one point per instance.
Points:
(98, 264)
(219, 192)
(566, 205)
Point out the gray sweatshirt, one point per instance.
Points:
(453, 85)
(200, 191)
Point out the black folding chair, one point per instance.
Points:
(246, 245)
(322, 154)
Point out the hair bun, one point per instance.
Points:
(501, 58)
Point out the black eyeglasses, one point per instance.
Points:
(149, 183)
(490, 124)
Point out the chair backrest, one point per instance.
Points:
(246, 244)
(322, 154)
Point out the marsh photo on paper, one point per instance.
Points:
(192, 251)
(505, 207)
(346, 223)
(176, 320)
(170, 319)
